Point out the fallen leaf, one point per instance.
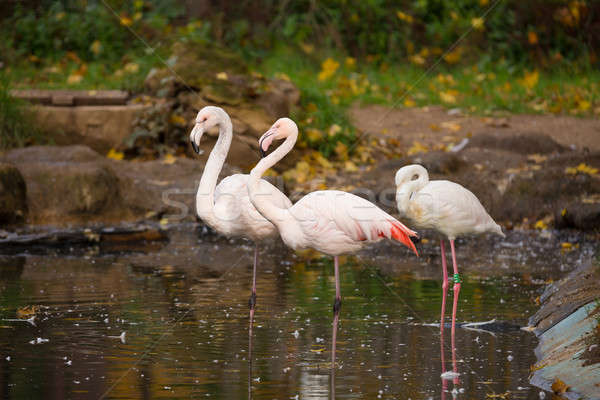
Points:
(334, 129)
(96, 47)
(177, 119)
(169, 159)
(540, 225)
(530, 79)
(27, 311)
(532, 37)
(583, 168)
(350, 166)
(537, 158)
(328, 69)
(408, 102)
(115, 155)
(448, 97)
(74, 78)
(222, 76)
(477, 24)
(559, 387)
(451, 126)
(131, 68)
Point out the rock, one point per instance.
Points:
(100, 127)
(578, 215)
(280, 98)
(13, 195)
(519, 143)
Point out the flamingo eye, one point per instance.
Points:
(414, 177)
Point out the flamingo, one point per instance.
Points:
(226, 208)
(446, 207)
(330, 221)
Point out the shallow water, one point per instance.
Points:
(184, 308)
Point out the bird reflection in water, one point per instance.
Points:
(336, 315)
(448, 375)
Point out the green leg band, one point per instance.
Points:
(457, 278)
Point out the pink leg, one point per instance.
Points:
(252, 300)
(444, 285)
(338, 297)
(333, 342)
(444, 382)
(456, 291)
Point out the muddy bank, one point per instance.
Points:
(568, 327)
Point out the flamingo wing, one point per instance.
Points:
(341, 218)
(234, 208)
(454, 209)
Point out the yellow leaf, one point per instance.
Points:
(60, 15)
(96, 47)
(307, 48)
(477, 24)
(350, 166)
(408, 102)
(164, 221)
(115, 155)
(537, 158)
(323, 162)
(169, 159)
(314, 135)
(417, 59)
(454, 56)
(417, 148)
(566, 245)
(341, 150)
(74, 78)
(530, 79)
(317, 350)
(448, 97)
(559, 387)
(451, 126)
(125, 20)
(563, 212)
(282, 76)
(584, 105)
(350, 62)
(328, 69)
(540, 225)
(334, 130)
(27, 311)
(583, 168)
(223, 76)
(137, 16)
(177, 119)
(532, 37)
(405, 17)
(131, 68)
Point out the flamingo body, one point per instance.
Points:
(444, 206)
(335, 222)
(235, 213)
(448, 208)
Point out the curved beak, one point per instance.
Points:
(265, 141)
(195, 137)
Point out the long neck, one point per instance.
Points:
(270, 211)
(205, 201)
(407, 190)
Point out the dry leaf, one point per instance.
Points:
(115, 155)
(559, 387)
(169, 159)
(222, 76)
(537, 158)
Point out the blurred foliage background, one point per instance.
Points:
(483, 56)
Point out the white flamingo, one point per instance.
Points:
(446, 207)
(330, 221)
(227, 208)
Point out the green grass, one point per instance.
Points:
(15, 127)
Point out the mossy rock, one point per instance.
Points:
(13, 195)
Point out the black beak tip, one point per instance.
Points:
(195, 147)
(262, 152)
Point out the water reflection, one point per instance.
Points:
(185, 313)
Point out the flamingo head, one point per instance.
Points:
(208, 117)
(281, 129)
(409, 173)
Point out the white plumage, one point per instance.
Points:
(226, 207)
(330, 221)
(444, 206)
(448, 208)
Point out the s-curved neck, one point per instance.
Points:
(275, 214)
(205, 198)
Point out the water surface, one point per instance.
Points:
(183, 307)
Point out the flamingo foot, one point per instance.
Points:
(337, 305)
